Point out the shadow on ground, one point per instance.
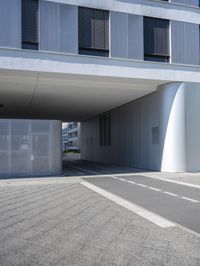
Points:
(73, 165)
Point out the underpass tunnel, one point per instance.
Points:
(72, 162)
(124, 124)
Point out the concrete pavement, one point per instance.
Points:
(58, 221)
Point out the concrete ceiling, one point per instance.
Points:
(26, 94)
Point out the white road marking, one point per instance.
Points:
(147, 176)
(131, 182)
(168, 180)
(189, 199)
(156, 189)
(171, 194)
(114, 177)
(141, 185)
(122, 179)
(150, 216)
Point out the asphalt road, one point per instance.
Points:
(175, 202)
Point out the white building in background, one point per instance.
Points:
(64, 136)
(71, 136)
(129, 71)
(74, 136)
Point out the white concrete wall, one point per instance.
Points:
(30, 147)
(192, 96)
(194, 3)
(131, 134)
(174, 109)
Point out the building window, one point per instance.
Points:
(93, 32)
(156, 39)
(105, 130)
(30, 24)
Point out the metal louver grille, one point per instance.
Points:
(93, 31)
(155, 135)
(105, 130)
(30, 24)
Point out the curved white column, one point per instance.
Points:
(173, 128)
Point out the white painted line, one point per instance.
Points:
(154, 188)
(114, 177)
(122, 179)
(154, 218)
(189, 199)
(162, 179)
(131, 182)
(168, 180)
(141, 185)
(97, 175)
(171, 194)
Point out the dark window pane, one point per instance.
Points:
(156, 38)
(30, 24)
(156, 58)
(95, 52)
(85, 27)
(93, 32)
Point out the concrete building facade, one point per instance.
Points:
(64, 136)
(129, 70)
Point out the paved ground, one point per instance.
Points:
(58, 221)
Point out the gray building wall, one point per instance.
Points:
(192, 99)
(58, 27)
(59, 31)
(30, 147)
(187, 2)
(131, 135)
(126, 35)
(185, 43)
(173, 109)
(10, 23)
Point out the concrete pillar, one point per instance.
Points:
(173, 128)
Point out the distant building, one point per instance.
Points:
(71, 136)
(64, 136)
